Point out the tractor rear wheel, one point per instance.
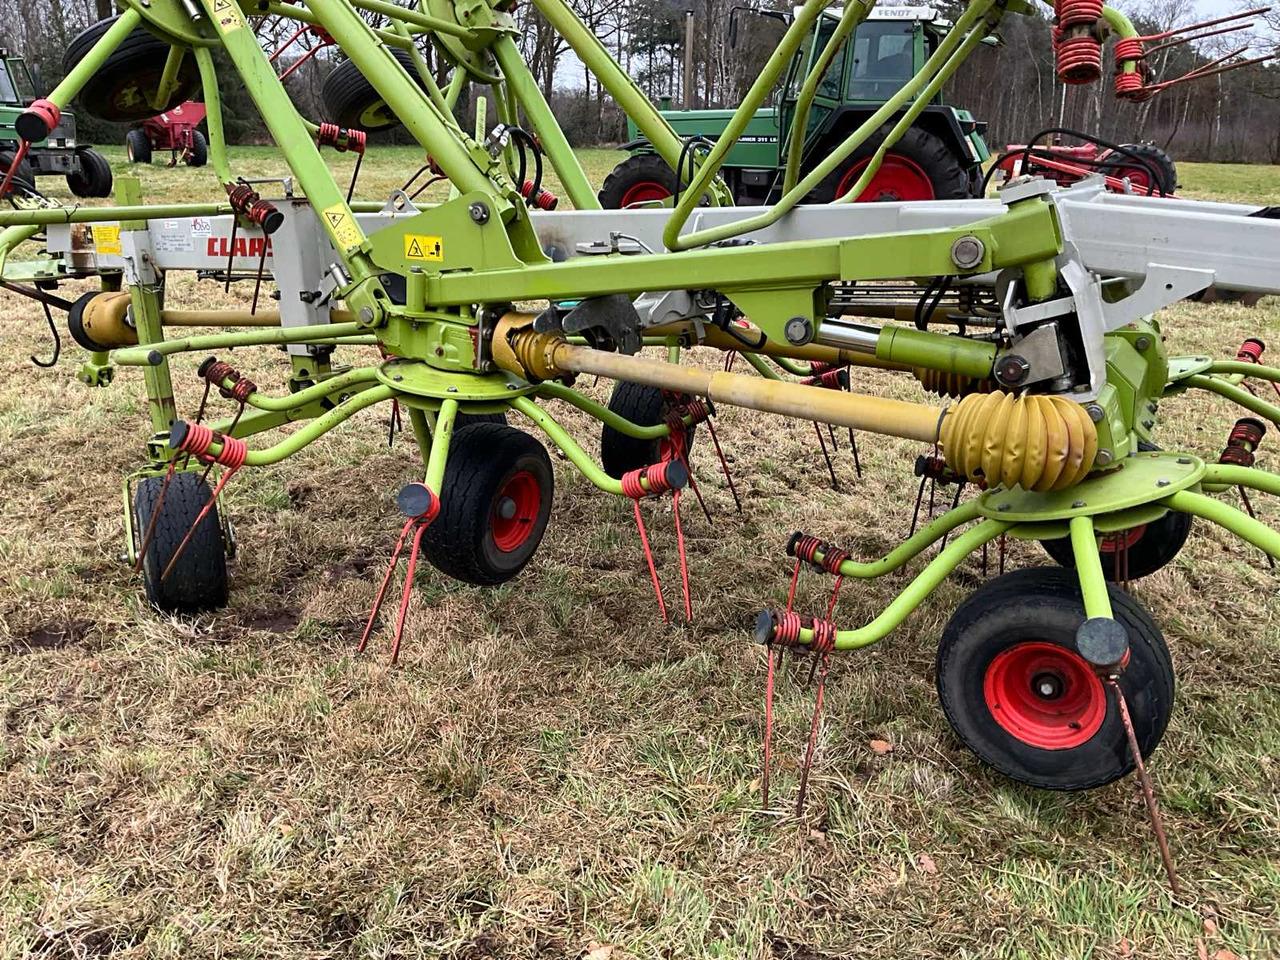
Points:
(137, 146)
(920, 166)
(199, 578)
(642, 178)
(198, 156)
(124, 89)
(94, 178)
(495, 502)
(351, 101)
(1017, 691)
(1139, 173)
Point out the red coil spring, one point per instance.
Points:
(1128, 48)
(1251, 351)
(824, 636)
(246, 201)
(1244, 439)
(1072, 13)
(545, 199)
(786, 632)
(830, 379)
(199, 438)
(1079, 59)
(698, 411)
(217, 371)
(342, 140)
(656, 476)
(804, 547)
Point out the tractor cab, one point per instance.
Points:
(17, 89)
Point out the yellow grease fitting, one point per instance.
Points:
(418, 246)
(1037, 442)
(338, 219)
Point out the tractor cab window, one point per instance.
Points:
(807, 56)
(883, 59)
(20, 77)
(8, 93)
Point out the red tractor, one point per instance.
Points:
(175, 131)
(1145, 167)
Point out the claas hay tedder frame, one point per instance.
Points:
(1048, 375)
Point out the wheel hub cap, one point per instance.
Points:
(1044, 695)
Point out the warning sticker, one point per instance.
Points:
(342, 227)
(106, 240)
(419, 247)
(227, 15)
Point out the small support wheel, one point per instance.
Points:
(1146, 548)
(495, 502)
(198, 581)
(646, 407)
(123, 90)
(1017, 691)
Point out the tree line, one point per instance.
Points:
(1233, 117)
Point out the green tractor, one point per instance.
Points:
(87, 171)
(939, 158)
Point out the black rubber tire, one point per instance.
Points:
(637, 169)
(1044, 605)
(461, 420)
(199, 579)
(25, 173)
(947, 171)
(642, 405)
(350, 100)
(1123, 166)
(122, 91)
(94, 178)
(460, 542)
(1157, 545)
(137, 146)
(199, 154)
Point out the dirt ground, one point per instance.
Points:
(550, 771)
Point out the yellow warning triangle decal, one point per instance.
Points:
(415, 251)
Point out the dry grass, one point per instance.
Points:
(549, 767)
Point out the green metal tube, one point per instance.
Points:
(314, 430)
(440, 439)
(318, 391)
(421, 432)
(922, 100)
(44, 215)
(147, 354)
(168, 79)
(599, 411)
(66, 91)
(424, 73)
(1224, 515)
(1233, 476)
(396, 12)
(761, 366)
(1235, 394)
(920, 348)
(793, 367)
(457, 83)
(561, 438)
(911, 548)
(853, 15)
(1093, 583)
(213, 114)
(401, 94)
(918, 590)
(554, 143)
(671, 233)
(303, 15)
(1242, 369)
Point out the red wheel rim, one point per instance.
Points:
(1139, 178)
(1124, 539)
(647, 191)
(515, 513)
(897, 179)
(1045, 695)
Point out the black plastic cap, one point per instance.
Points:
(1255, 424)
(416, 500)
(764, 627)
(677, 475)
(178, 433)
(272, 222)
(791, 544)
(31, 126)
(1103, 642)
(1258, 340)
(155, 358)
(205, 365)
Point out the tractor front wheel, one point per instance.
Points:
(137, 146)
(198, 581)
(1018, 693)
(94, 177)
(642, 178)
(495, 502)
(24, 175)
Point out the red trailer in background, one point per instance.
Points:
(175, 131)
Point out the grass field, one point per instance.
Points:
(550, 772)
